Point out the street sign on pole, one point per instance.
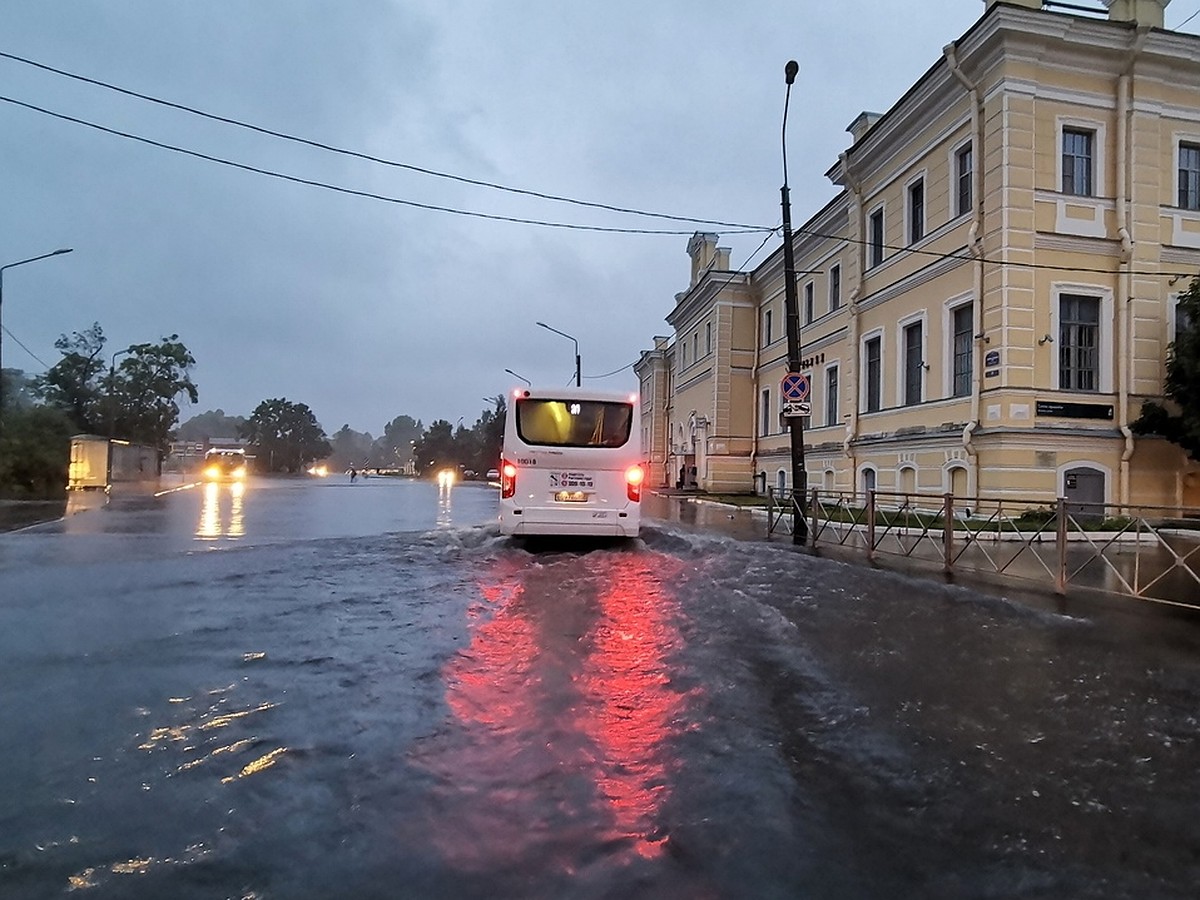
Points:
(794, 387)
(797, 409)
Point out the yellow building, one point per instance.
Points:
(989, 299)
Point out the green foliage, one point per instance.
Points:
(1182, 386)
(35, 451)
(476, 448)
(350, 448)
(74, 383)
(144, 388)
(286, 436)
(395, 447)
(208, 425)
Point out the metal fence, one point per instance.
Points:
(1152, 553)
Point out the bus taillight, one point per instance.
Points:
(634, 476)
(508, 479)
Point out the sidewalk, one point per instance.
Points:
(16, 514)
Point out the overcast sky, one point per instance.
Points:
(367, 309)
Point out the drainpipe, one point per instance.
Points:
(852, 371)
(975, 248)
(1125, 280)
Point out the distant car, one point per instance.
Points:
(493, 475)
(224, 465)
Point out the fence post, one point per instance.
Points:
(948, 532)
(1060, 519)
(871, 525)
(813, 531)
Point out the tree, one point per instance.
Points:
(74, 383)
(436, 449)
(144, 388)
(211, 424)
(35, 450)
(394, 448)
(350, 448)
(1182, 386)
(286, 436)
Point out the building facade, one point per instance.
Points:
(988, 300)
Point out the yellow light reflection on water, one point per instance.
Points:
(217, 519)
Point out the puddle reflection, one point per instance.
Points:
(565, 714)
(220, 519)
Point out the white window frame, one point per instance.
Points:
(917, 318)
(955, 152)
(918, 178)
(880, 210)
(863, 379)
(810, 303)
(768, 326)
(834, 366)
(1099, 161)
(764, 412)
(951, 306)
(835, 297)
(861, 477)
(1180, 138)
(1104, 344)
(708, 345)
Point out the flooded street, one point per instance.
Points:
(313, 689)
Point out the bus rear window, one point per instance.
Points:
(573, 423)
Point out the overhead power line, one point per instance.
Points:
(320, 145)
(270, 173)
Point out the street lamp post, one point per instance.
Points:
(521, 377)
(112, 398)
(578, 375)
(792, 313)
(13, 265)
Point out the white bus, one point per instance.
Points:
(572, 464)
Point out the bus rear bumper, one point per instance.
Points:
(583, 523)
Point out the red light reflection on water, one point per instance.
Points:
(565, 712)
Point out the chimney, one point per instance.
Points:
(1143, 13)
(702, 248)
(862, 124)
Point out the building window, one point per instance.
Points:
(764, 423)
(1077, 157)
(835, 287)
(873, 359)
(916, 211)
(831, 396)
(876, 230)
(868, 480)
(1078, 343)
(1189, 176)
(767, 336)
(963, 323)
(914, 364)
(684, 348)
(808, 303)
(708, 337)
(1182, 323)
(695, 348)
(964, 175)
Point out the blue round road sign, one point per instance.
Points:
(794, 387)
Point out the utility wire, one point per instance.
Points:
(351, 191)
(23, 347)
(722, 287)
(376, 159)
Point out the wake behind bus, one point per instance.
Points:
(572, 464)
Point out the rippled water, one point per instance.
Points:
(438, 712)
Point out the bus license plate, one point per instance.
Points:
(571, 497)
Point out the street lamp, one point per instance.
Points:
(112, 399)
(13, 265)
(521, 377)
(578, 376)
(792, 313)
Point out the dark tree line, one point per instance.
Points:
(85, 392)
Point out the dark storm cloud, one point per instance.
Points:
(363, 309)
